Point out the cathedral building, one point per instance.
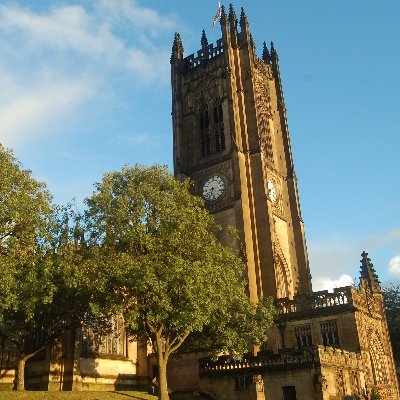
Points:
(231, 138)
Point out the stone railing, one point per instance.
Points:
(288, 358)
(285, 359)
(203, 55)
(317, 300)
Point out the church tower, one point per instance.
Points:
(231, 138)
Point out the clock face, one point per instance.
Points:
(272, 194)
(214, 188)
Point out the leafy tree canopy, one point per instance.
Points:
(391, 297)
(158, 260)
(25, 223)
(43, 276)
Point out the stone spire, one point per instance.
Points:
(232, 13)
(233, 25)
(368, 273)
(204, 40)
(274, 54)
(224, 27)
(266, 56)
(177, 47)
(244, 23)
(223, 17)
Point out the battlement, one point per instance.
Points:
(204, 55)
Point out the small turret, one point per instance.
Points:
(232, 15)
(244, 23)
(177, 48)
(204, 40)
(274, 54)
(368, 274)
(233, 25)
(223, 17)
(266, 56)
(224, 26)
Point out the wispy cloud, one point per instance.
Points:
(71, 55)
(27, 116)
(142, 18)
(91, 34)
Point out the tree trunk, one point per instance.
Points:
(20, 378)
(163, 388)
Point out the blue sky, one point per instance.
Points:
(85, 88)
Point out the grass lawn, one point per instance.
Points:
(9, 395)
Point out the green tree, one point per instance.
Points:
(26, 215)
(43, 276)
(391, 297)
(159, 262)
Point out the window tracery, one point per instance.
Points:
(205, 141)
(212, 129)
(329, 333)
(95, 341)
(303, 336)
(219, 127)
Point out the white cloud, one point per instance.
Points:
(90, 33)
(142, 18)
(26, 116)
(394, 267)
(54, 62)
(334, 255)
(326, 283)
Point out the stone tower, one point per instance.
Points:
(231, 138)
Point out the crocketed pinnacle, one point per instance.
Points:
(244, 23)
(204, 40)
(177, 45)
(224, 17)
(232, 14)
(266, 56)
(368, 273)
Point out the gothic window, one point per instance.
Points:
(205, 141)
(212, 130)
(329, 334)
(95, 341)
(303, 336)
(219, 127)
(242, 382)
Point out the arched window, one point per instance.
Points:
(205, 141)
(96, 341)
(219, 127)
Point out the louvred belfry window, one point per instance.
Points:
(329, 334)
(303, 336)
(205, 141)
(219, 127)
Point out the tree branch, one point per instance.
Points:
(179, 343)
